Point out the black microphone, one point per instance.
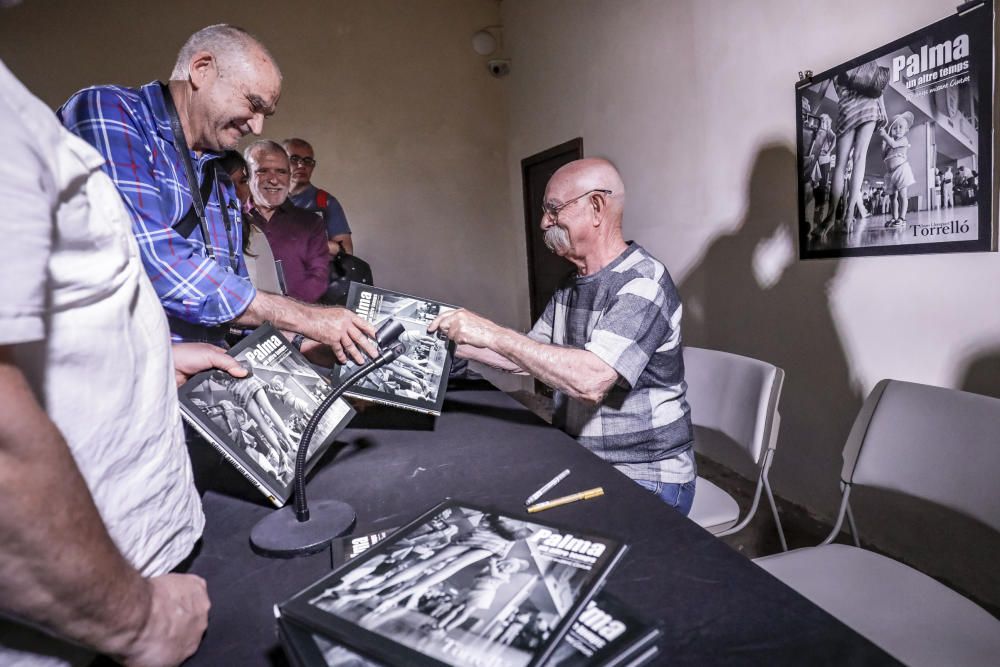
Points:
(388, 333)
(289, 532)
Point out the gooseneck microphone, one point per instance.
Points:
(290, 531)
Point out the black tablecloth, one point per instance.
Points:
(716, 607)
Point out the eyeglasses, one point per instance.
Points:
(299, 160)
(553, 211)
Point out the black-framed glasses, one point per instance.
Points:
(299, 160)
(553, 211)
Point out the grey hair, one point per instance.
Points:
(228, 43)
(296, 140)
(262, 146)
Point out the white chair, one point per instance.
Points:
(734, 409)
(934, 444)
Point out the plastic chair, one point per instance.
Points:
(938, 445)
(734, 409)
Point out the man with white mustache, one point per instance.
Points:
(296, 236)
(609, 341)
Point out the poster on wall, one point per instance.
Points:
(895, 146)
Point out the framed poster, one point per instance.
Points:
(895, 146)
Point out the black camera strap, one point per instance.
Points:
(196, 215)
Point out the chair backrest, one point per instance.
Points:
(733, 398)
(940, 445)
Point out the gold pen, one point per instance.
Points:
(565, 500)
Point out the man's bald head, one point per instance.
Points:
(579, 176)
(224, 85)
(584, 201)
(232, 47)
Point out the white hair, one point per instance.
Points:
(227, 43)
(262, 146)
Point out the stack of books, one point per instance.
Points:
(467, 585)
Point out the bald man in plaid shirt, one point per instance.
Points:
(609, 341)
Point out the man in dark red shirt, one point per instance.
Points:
(297, 237)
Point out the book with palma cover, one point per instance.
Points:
(460, 585)
(256, 422)
(607, 634)
(418, 378)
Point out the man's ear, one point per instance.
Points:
(600, 204)
(203, 68)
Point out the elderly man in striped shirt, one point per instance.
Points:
(609, 341)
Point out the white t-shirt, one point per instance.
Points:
(90, 335)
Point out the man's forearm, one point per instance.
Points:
(59, 568)
(347, 334)
(281, 311)
(488, 358)
(577, 373)
(284, 313)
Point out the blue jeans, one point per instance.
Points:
(678, 496)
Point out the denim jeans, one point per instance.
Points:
(678, 496)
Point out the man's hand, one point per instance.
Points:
(178, 616)
(347, 334)
(466, 328)
(317, 353)
(192, 358)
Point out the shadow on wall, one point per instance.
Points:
(982, 375)
(783, 315)
(780, 313)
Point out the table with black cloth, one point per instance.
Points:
(716, 607)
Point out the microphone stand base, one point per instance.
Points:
(281, 535)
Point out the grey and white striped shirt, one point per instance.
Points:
(629, 315)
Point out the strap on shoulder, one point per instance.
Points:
(186, 225)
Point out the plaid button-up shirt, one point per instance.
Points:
(131, 129)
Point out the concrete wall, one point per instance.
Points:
(694, 100)
(408, 125)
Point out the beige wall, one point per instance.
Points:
(408, 125)
(694, 100)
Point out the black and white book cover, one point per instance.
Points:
(307, 649)
(418, 378)
(461, 585)
(346, 548)
(257, 422)
(606, 634)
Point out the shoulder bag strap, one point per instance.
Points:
(197, 199)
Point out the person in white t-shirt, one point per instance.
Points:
(99, 499)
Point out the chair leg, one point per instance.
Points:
(853, 527)
(774, 511)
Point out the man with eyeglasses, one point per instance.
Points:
(306, 195)
(161, 143)
(609, 341)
